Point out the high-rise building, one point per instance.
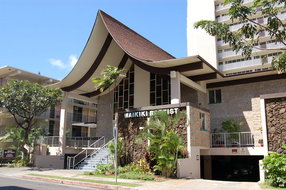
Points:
(220, 54)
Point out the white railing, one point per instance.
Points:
(52, 141)
(77, 117)
(77, 142)
(223, 18)
(48, 114)
(237, 139)
(81, 141)
(222, 6)
(82, 103)
(244, 63)
(73, 161)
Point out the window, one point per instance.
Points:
(124, 92)
(202, 121)
(77, 114)
(51, 127)
(215, 96)
(159, 89)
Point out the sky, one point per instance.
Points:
(48, 36)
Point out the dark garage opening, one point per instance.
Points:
(235, 168)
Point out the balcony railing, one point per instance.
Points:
(78, 142)
(237, 139)
(78, 117)
(52, 141)
(82, 103)
(47, 114)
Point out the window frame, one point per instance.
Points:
(215, 93)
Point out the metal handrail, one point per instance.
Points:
(72, 159)
(237, 139)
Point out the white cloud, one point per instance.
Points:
(62, 65)
(58, 63)
(73, 60)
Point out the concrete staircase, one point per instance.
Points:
(101, 156)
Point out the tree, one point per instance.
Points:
(107, 77)
(165, 143)
(25, 101)
(246, 38)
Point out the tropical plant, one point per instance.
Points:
(275, 167)
(17, 134)
(165, 142)
(136, 170)
(107, 77)
(120, 149)
(231, 126)
(246, 38)
(25, 101)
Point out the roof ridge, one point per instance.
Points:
(104, 14)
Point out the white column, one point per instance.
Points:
(188, 130)
(63, 124)
(264, 126)
(175, 87)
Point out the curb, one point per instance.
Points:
(80, 183)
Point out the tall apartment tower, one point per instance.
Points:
(219, 54)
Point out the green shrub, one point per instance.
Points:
(275, 167)
(120, 149)
(138, 171)
(104, 168)
(165, 142)
(231, 126)
(137, 176)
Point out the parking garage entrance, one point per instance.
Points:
(233, 168)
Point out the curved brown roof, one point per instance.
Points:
(113, 43)
(133, 43)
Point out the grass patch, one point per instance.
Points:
(98, 175)
(138, 176)
(267, 186)
(129, 175)
(87, 180)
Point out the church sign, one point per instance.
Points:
(149, 113)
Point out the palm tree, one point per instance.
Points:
(165, 142)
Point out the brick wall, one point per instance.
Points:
(242, 103)
(276, 123)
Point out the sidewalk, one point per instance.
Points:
(171, 184)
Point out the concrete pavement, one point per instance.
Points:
(8, 183)
(170, 184)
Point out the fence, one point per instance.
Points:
(237, 139)
(53, 141)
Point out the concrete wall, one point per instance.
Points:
(104, 116)
(55, 162)
(236, 151)
(188, 94)
(141, 87)
(242, 103)
(198, 41)
(190, 167)
(199, 137)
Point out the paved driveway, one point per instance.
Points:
(173, 184)
(199, 184)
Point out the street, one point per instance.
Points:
(21, 184)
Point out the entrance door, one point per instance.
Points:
(236, 168)
(76, 131)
